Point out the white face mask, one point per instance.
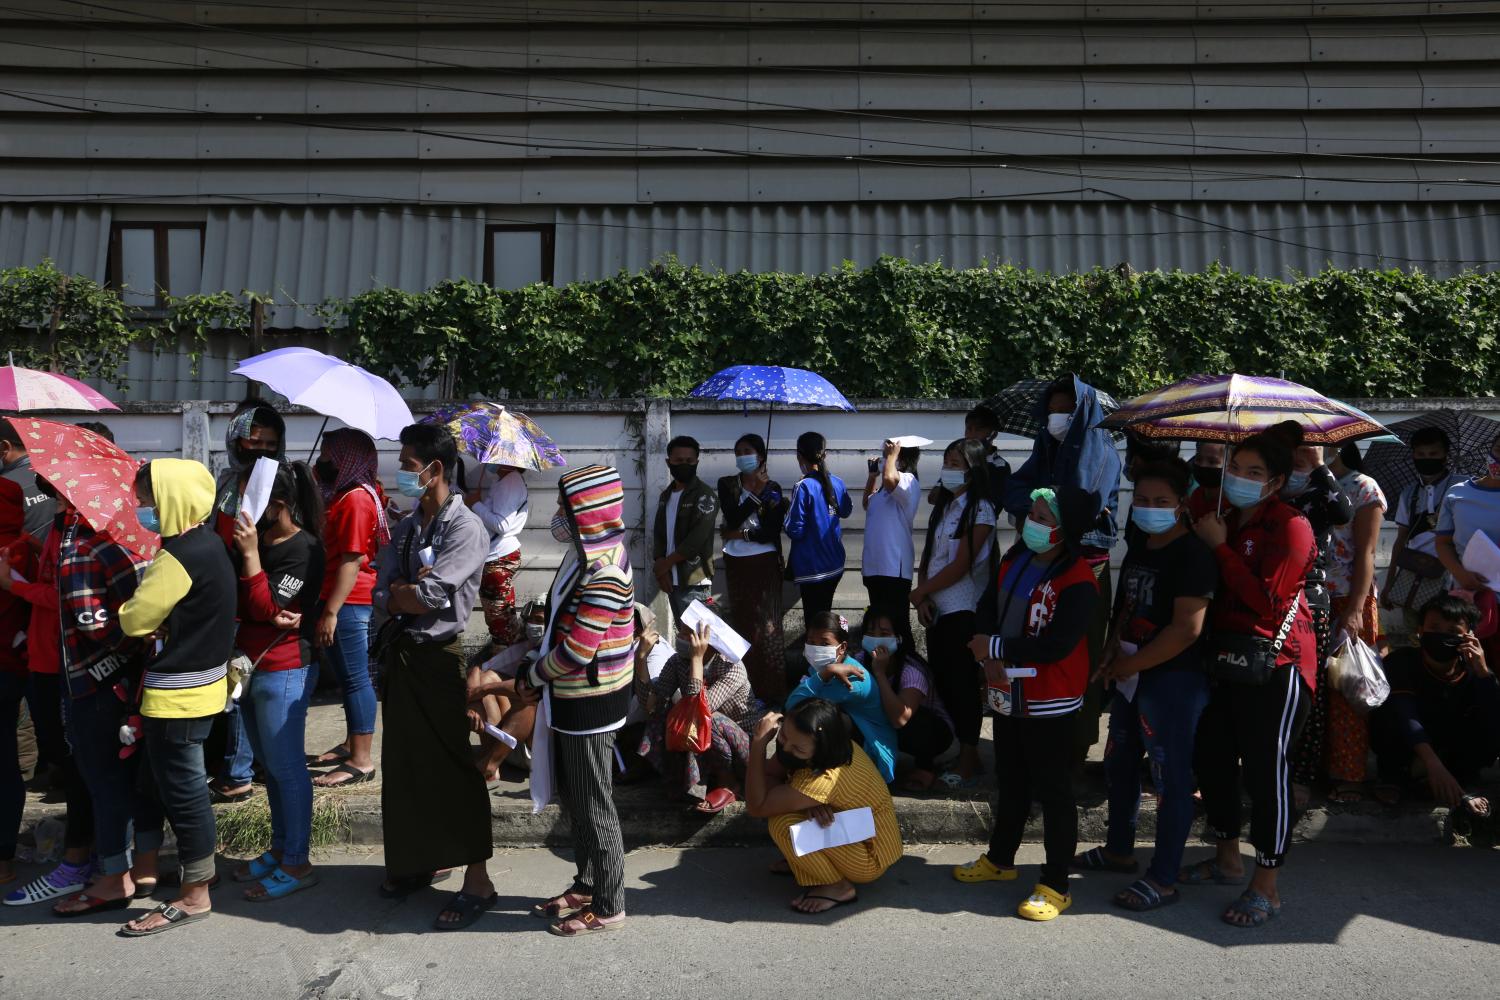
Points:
(819, 657)
(1058, 424)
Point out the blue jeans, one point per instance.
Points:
(94, 732)
(236, 770)
(176, 787)
(12, 788)
(350, 658)
(1160, 723)
(275, 710)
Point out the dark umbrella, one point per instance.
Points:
(1017, 405)
(1469, 437)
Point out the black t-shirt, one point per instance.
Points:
(294, 572)
(1151, 581)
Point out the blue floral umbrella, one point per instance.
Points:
(772, 384)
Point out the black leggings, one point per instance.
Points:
(1032, 764)
(956, 674)
(818, 597)
(925, 737)
(1254, 727)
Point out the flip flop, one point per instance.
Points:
(1141, 896)
(468, 907)
(356, 776)
(829, 899)
(175, 916)
(339, 756)
(1095, 860)
(95, 905)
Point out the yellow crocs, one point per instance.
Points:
(1043, 904)
(984, 871)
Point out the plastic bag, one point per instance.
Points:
(690, 725)
(1355, 672)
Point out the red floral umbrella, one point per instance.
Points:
(94, 474)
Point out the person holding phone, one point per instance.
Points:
(892, 496)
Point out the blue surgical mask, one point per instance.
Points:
(1154, 520)
(747, 463)
(885, 642)
(148, 518)
(409, 484)
(1243, 493)
(1296, 484)
(1037, 536)
(953, 479)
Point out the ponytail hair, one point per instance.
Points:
(296, 487)
(812, 449)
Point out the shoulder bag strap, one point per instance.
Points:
(1286, 624)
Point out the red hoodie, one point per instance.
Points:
(44, 633)
(15, 613)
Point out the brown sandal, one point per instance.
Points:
(590, 921)
(561, 907)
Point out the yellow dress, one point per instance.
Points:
(854, 786)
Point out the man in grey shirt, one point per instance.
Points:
(15, 465)
(435, 809)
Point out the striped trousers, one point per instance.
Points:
(1252, 729)
(585, 784)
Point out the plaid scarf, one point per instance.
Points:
(352, 453)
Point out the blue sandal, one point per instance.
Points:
(954, 782)
(1205, 872)
(259, 868)
(278, 885)
(1253, 905)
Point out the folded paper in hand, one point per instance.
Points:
(1482, 557)
(848, 827)
(258, 489)
(1127, 685)
(723, 638)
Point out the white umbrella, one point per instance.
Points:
(332, 387)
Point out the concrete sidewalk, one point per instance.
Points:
(650, 815)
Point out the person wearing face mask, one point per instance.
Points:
(753, 509)
(1166, 583)
(354, 530)
(708, 779)
(982, 425)
(682, 536)
(819, 771)
(1443, 710)
(924, 730)
(1074, 450)
(1415, 574)
(833, 676)
(1208, 475)
(950, 579)
(1262, 665)
(819, 502)
(1470, 507)
(892, 495)
(187, 596)
(1356, 613)
(1312, 491)
(1034, 618)
(435, 811)
(281, 564)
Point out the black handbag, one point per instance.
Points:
(1249, 659)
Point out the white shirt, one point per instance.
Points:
(674, 498)
(963, 595)
(1429, 501)
(742, 547)
(503, 511)
(889, 547)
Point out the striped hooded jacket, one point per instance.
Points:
(589, 665)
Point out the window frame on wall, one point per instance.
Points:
(548, 247)
(161, 257)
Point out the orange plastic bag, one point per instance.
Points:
(690, 725)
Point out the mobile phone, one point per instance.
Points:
(874, 465)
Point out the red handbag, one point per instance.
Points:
(690, 725)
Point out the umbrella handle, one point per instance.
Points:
(314, 453)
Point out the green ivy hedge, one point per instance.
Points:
(901, 330)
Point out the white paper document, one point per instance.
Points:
(501, 735)
(720, 636)
(1127, 686)
(1482, 556)
(541, 755)
(848, 827)
(910, 441)
(506, 662)
(258, 489)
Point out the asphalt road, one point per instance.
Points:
(1359, 922)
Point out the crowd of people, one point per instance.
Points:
(1242, 571)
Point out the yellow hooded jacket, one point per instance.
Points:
(188, 594)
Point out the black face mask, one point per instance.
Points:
(268, 520)
(1441, 647)
(789, 762)
(1430, 466)
(684, 473)
(1208, 476)
(327, 473)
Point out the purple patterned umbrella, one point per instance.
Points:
(1232, 407)
(498, 436)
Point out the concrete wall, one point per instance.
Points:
(631, 435)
